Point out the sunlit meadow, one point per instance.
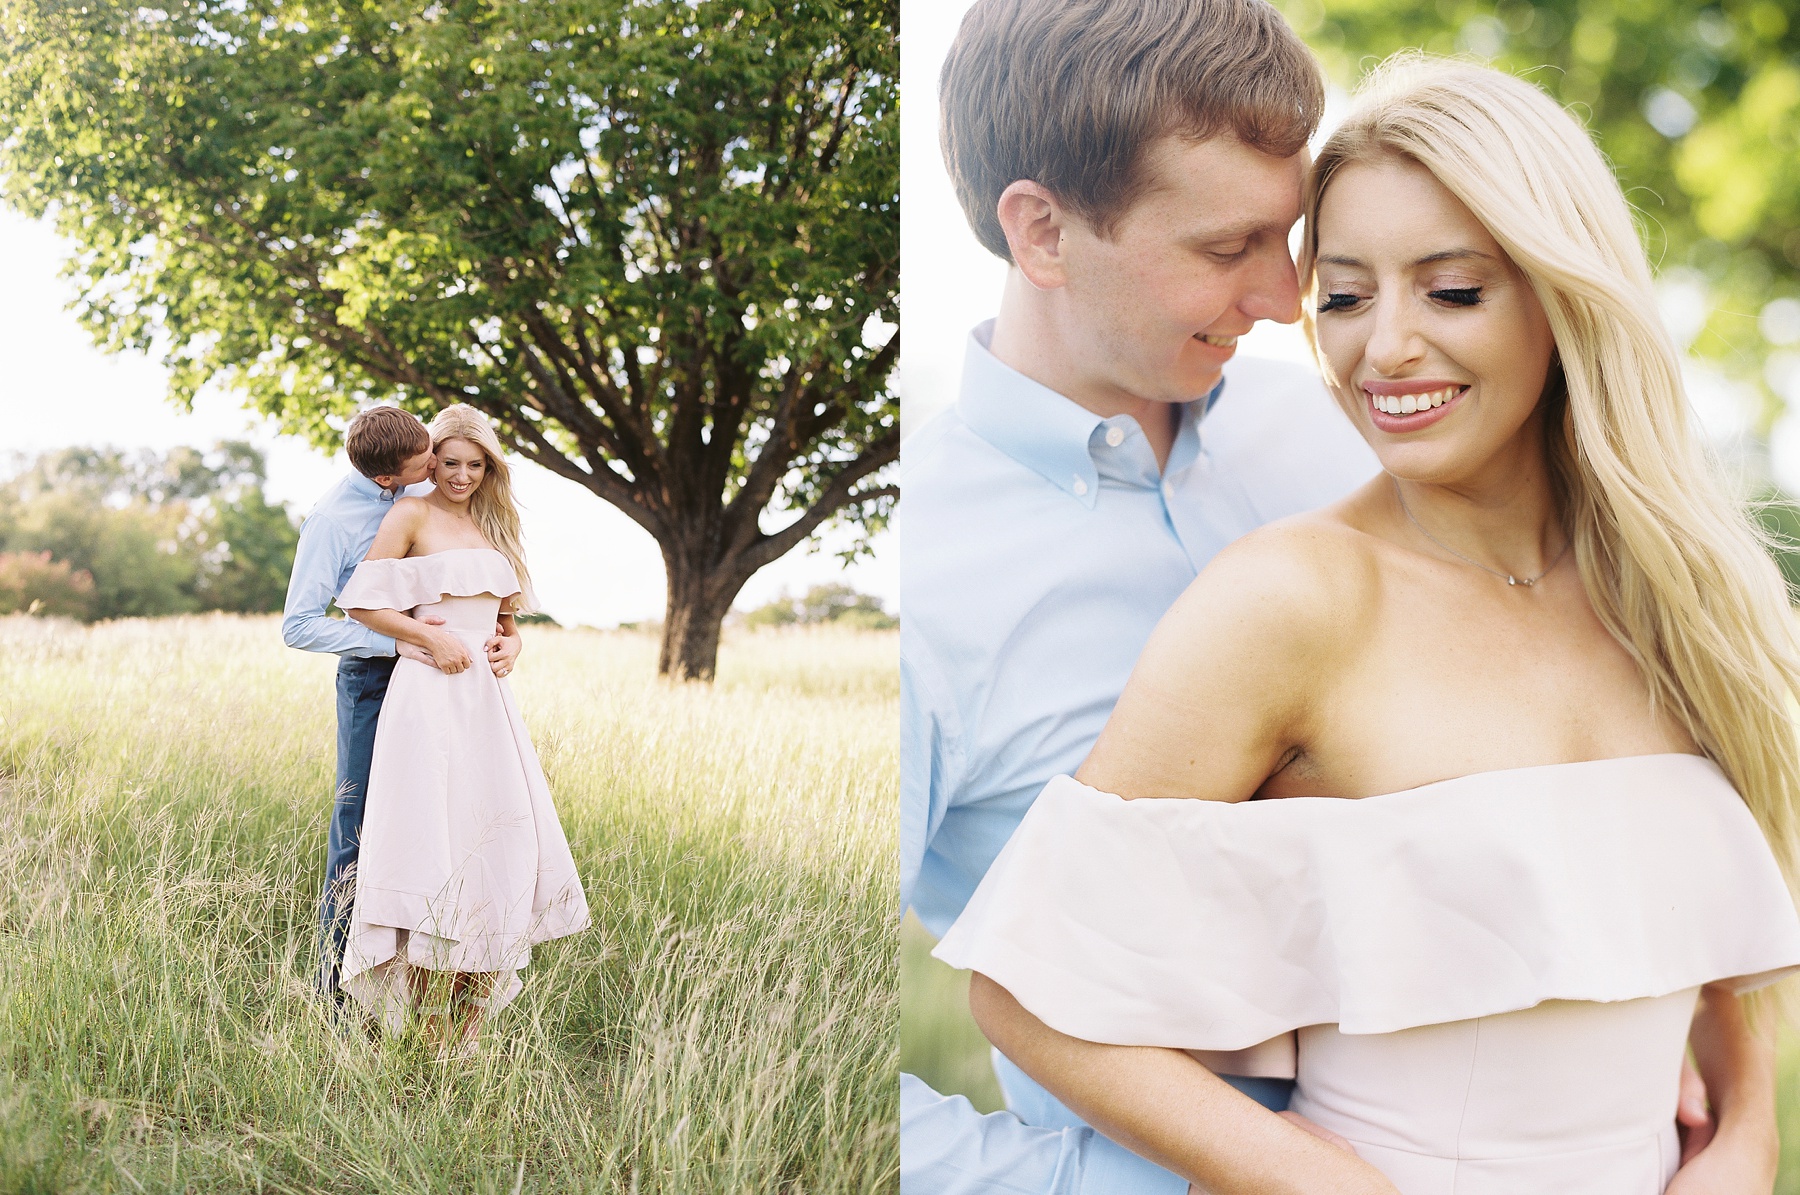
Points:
(728, 1025)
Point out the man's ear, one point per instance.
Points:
(1034, 220)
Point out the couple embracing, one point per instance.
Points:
(1387, 798)
(446, 860)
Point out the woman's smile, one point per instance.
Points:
(1410, 406)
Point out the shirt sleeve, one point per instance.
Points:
(313, 584)
(947, 1148)
(929, 748)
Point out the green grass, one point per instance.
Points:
(728, 1025)
(940, 1043)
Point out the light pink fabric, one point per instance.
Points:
(1449, 954)
(463, 864)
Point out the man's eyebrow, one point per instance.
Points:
(1238, 231)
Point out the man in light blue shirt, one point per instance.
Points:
(1138, 164)
(1105, 445)
(390, 450)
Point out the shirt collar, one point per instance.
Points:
(367, 487)
(1048, 433)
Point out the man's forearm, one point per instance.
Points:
(396, 624)
(341, 637)
(1164, 1105)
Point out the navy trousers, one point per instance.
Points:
(361, 686)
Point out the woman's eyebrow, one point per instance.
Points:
(1453, 255)
(1339, 259)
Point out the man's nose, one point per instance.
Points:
(1273, 290)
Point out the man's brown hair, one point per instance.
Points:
(1071, 94)
(382, 439)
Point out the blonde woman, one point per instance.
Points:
(1544, 652)
(464, 866)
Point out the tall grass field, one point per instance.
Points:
(940, 1043)
(727, 1025)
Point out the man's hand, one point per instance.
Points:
(408, 651)
(502, 650)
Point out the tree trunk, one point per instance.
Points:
(692, 620)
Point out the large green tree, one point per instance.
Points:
(1697, 104)
(655, 240)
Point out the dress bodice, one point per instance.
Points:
(1447, 953)
(464, 586)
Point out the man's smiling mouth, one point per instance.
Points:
(1223, 342)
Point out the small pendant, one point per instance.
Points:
(1511, 580)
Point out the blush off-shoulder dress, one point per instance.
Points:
(1491, 978)
(463, 864)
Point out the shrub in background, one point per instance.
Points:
(32, 583)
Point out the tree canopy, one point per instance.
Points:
(656, 241)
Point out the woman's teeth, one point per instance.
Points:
(1407, 404)
(1223, 342)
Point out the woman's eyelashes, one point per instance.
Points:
(1451, 296)
(1457, 296)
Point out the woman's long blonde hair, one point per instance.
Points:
(1670, 562)
(491, 505)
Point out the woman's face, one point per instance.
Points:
(460, 468)
(1438, 346)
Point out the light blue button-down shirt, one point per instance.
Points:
(1042, 546)
(333, 541)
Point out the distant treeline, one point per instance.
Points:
(94, 533)
(833, 603)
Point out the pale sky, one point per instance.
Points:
(590, 563)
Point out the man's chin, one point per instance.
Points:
(1194, 384)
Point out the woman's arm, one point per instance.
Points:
(1737, 1061)
(1223, 694)
(1165, 1106)
(393, 539)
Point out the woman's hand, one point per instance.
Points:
(1737, 1065)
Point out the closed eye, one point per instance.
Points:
(1458, 296)
(1338, 302)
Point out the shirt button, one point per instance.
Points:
(1080, 488)
(1168, 488)
(1115, 436)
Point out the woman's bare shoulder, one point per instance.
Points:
(1309, 575)
(399, 528)
(1230, 681)
(408, 508)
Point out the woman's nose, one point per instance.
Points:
(1394, 342)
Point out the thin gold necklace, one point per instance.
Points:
(1528, 582)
